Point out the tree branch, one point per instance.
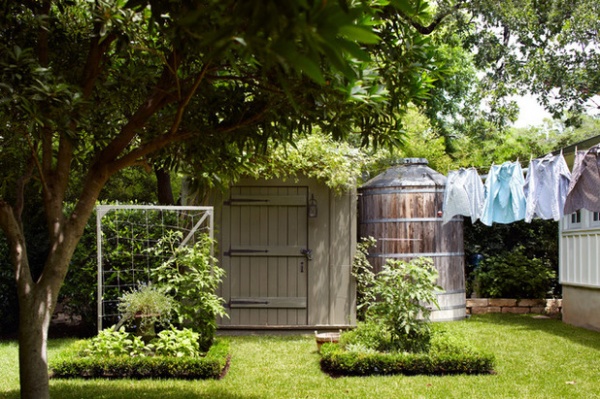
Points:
(14, 234)
(42, 45)
(426, 30)
(161, 96)
(183, 104)
(92, 68)
(245, 122)
(163, 141)
(20, 189)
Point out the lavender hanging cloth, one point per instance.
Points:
(584, 190)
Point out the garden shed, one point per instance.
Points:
(579, 263)
(287, 247)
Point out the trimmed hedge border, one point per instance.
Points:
(338, 362)
(212, 366)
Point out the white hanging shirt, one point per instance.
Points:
(546, 187)
(464, 195)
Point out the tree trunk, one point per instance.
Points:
(164, 189)
(35, 314)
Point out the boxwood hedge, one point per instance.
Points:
(339, 362)
(212, 366)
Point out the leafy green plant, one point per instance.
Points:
(146, 306)
(367, 335)
(539, 239)
(362, 271)
(110, 342)
(212, 365)
(404, 292)
(191, 275)
(514, 274)
(178, 343)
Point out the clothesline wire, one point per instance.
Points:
(486, 168)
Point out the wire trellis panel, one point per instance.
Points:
(127, 236)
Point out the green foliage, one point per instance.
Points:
(212, 365)
(405, 291)
(544, 47)
(169, 342)
(8, 293)
(362, 271)
(110, 342)
(513, 274)
(539, 239)
(366, 336)
(146, 306)
(191, 275)
(337, 164)
(178, 343)
(336, 361)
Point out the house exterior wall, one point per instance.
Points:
(579, 268)
(581, 307)
(331, 295)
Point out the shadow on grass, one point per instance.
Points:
(578, 335)
(135, 390)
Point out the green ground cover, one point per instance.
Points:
(534, 359)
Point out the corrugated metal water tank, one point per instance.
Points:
(401, 208)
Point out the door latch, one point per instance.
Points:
(307, 252)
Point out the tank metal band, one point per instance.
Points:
(401, 191)
(401, 220)
(415, 255)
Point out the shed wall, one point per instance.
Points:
(331, 295)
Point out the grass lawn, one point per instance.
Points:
(534, 359)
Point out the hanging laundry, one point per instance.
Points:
(584, 190)
(464, 195)
(505, 199)
(546, 187)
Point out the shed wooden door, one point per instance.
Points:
(265, 238)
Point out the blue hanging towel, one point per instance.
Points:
(505, 200)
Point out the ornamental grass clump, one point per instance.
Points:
(144, 308)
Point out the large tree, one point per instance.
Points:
(89, 88)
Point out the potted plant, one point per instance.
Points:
(145, 307)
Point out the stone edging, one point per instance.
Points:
(519, 306)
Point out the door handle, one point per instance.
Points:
(307, 252)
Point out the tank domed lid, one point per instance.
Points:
(411, 161)
(408, 172)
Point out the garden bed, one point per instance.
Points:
(213, 365)
(338, 362)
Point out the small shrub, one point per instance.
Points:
(362, 271)
(405, 291)
(178, 343)
(110, 342)
(514, 275)
(373, 336)
(191, 276)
